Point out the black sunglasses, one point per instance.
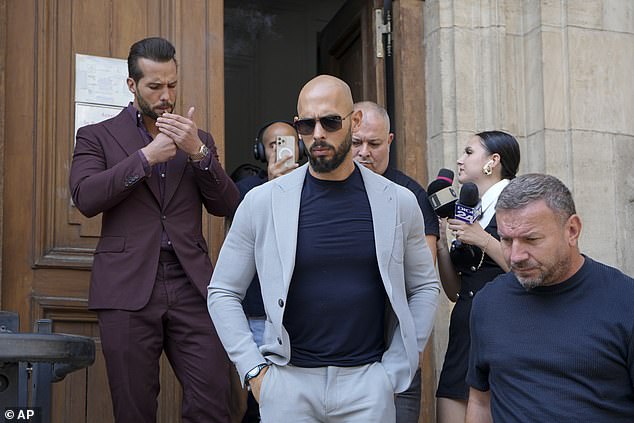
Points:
(329, 123)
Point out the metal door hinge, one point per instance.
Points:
(383, 27)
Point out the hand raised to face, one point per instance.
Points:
(182, 130)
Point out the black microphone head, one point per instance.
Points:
(469, 195)
(445, 174)
(441, 194)
(443, 180)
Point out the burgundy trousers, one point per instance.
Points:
(176, 321)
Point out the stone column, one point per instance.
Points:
(557, 74)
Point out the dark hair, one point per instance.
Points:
(154, 48)
(531, 187)
(507, 147)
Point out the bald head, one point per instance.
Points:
(278, 128)
(371, 143)
(328, 90)
(375, 115)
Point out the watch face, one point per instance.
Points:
(204, 150)
(254, 372)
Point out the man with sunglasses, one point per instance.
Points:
(348, 282)
(371, 148)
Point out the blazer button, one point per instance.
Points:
(471, 294)
(279, 341)
(473, 268)
(280, 302)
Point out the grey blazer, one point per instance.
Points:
(263, 237)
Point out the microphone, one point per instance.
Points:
(442, 195)
(468, 208)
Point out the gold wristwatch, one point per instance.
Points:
(202, 153)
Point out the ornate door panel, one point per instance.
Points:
(47, 244)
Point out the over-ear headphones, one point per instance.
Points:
(259, 153)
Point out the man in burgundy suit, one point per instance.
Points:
(149, 171)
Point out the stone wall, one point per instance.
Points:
(558, 75)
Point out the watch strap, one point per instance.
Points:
(254, 372)
(202, 152)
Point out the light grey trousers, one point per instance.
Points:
(362, 394)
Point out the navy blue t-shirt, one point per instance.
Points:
(429, 215)
(559, 353)
(335, 306)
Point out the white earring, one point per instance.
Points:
(487, 169)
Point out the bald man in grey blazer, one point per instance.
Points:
(348, 282)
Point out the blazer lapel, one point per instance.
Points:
(175, 169)
(285, 198)
(382, 198)
(125, 133)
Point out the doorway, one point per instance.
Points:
(272, 48)
(270, 53)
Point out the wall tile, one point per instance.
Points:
(601, 89)
(594, 190)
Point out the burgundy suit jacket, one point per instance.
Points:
(107, 176)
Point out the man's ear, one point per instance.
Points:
(573, 230)
(356, 117)
(131, 85)
(390, 138)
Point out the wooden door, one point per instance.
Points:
(47, 245)
(347, 49)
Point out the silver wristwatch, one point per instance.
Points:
(254, 372)
(202, 153)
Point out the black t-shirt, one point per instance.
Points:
(336, 301)
(560, 353)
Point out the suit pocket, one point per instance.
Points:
(264, 386)
(110, 244)
(397, 247)
(383, 374)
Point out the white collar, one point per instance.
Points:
(489, 199)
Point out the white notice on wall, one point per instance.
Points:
(101, 80)
(87, 114)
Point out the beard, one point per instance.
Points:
(146, 109)
(325, 165)
(552, 274)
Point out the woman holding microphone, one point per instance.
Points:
(490, 160)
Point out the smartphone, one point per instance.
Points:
(285, 147)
